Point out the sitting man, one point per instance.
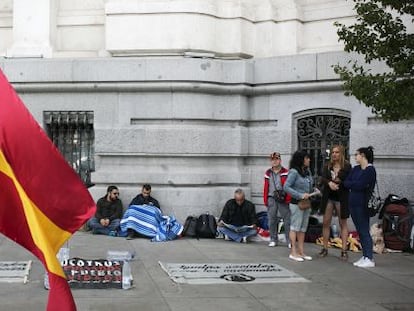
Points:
(145, 198)
(108, 213)
(238, 219)
(143, 218)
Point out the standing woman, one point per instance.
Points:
(360, 182)
(298, 185)
(335, 196)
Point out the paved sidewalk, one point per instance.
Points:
(334, 285)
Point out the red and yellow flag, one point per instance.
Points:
(42, 200)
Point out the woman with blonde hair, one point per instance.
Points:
(335, 196)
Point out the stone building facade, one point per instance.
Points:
(192, 96)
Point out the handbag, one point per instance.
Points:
(304, 204)
(278, 195)
(374, 201)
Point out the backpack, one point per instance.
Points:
(206, 226)
(190, 226)
(392, 199)
(397, 222)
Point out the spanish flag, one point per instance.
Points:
(42, 200)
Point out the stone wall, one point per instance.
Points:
(198, 128)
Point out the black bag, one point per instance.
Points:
(374, 201)
(206, 226)
(313, 233)
(279, 196)
(190, 227)
(397, 224)
(314, 230)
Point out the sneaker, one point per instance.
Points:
(367, 263)
(306, 257)
(296, 258)
(244, 239)
(226, 237)
(112, 233)
(272, 244)
(360, 260)
(289, 245)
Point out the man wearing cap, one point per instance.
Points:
(275, 199)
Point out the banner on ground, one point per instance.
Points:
(93, 273)
(224, 273)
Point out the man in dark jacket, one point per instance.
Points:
(108, 213)
(238, 219)
(145, 198)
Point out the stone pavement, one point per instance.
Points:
(334, 285)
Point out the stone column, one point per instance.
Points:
(34, 25)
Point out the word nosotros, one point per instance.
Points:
(93, 271)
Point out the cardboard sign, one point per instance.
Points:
(93, 273)
(224, 273)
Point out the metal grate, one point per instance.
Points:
(316, 135)
(73, 134)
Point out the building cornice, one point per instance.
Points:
(186, 87)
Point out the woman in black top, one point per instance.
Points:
(335, 196)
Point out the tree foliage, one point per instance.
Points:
(379, 34)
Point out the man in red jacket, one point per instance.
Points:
(275, 199)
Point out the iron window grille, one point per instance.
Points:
(73, 134)
(318, 133)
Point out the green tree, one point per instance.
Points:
(379, 34)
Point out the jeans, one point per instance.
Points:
(275, 212)
(97, 228)
(360, 217)
(236, 236)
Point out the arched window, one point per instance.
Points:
(316, 132)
